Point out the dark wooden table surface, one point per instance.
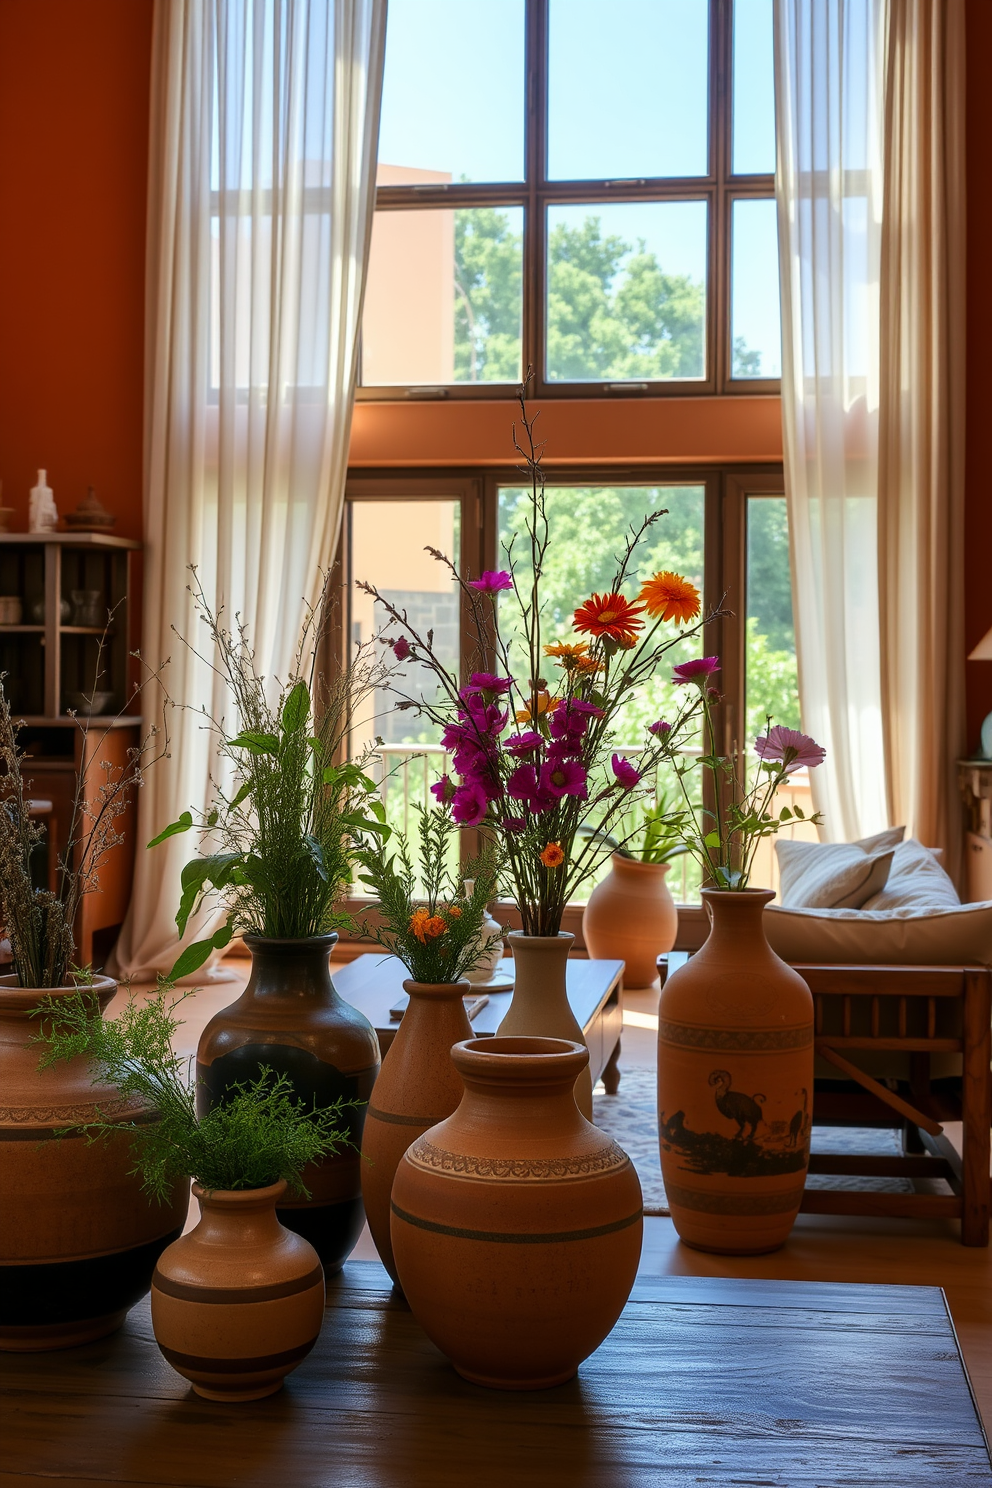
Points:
(703, 1381)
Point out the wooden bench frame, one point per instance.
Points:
(928, 1153)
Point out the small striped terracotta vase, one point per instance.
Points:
(237, 1303)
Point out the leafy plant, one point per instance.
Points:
(279, 838)
(439, 937)
(660, 835)
(259, 1135)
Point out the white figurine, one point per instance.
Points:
(43, 515)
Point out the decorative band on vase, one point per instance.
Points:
(222, 1296)
(741, 1041)
(262, 1363)
(501, 1237)
(393, 1119)
(705, 1201)
(424, 1154)
(73, 1291)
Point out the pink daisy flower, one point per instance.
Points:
(492, 581)
(795, 751)
(624, 771)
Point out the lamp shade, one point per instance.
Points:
(983, 651)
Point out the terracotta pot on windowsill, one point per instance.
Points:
(631, 917)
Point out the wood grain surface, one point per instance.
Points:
(705, 1380)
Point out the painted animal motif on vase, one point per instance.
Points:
(800, 1124)
(748, 1141)
(744, 1109)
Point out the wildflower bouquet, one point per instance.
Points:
(438, 937)
(534, 761)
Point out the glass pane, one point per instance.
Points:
(626, 291)
(453, 92)
(628, 89)
(755, 311)
(444, 299)
(754, 88)
(586, 523)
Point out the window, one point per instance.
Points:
(575, 189)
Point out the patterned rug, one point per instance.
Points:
(631, 1118)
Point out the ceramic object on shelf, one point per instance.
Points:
(540, 1007)
(631, 917)
(89, 705)
(484, 971)
(43, 514)
(88, 607)
(237, 1303)
(291, 1020)
(38, 611)
(418, 1086)
(90, 515)
(735, 1083)
(78, 1237)
(516, 1224)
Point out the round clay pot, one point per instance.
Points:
(291, 1020)
(237, 1303)
(735, 1076)
(78, 1237)
(539, 1007)
(418, 1086)
(631, 917)
(516, 1224)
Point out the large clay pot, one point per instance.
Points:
(631, 917)
(516, 1224)
(735, 1076)
(418, 1086)
(78, 1237)
(539, 1007)
(291, 1020)
(239, 1301)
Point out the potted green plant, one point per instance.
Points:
(440, 935)
(631, 915)
(243, 1155)
(276, 856)
(78, 1239)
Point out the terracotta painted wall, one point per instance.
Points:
(74, 83)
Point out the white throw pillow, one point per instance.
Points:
(830, 875)
(916, 879)
(953, 936)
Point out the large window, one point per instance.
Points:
(582, 189)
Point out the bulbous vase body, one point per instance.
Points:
(290, 1019)
(631, 917)
(516, 1225)
(237, 1303)
(539, 1007)
(735, 1084)
(78, 1237)
(418, 1086)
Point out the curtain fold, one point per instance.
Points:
(261, 191)
(921, 420)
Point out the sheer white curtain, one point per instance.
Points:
(829, 189)
(261, 190)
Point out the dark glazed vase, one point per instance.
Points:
(291, 1020)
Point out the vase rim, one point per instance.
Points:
(518, 1057)
(16, 999)
(233, 1198)
(292, 942)
(744, 895)
(420, 989)
(547, 939)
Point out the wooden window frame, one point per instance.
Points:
(719, 188)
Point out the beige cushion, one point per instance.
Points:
(830, 875)
(915, 879)
(951, 936)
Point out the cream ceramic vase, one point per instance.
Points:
(540, 1007)
(631, 917)
(486, 969)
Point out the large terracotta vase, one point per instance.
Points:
(291, 1020)
(239, 1301)
(539, 1007)
(631, 917)
(516, 1225)
(735, 1077)
(418, 1086)
(78, 1237)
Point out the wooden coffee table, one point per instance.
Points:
(373, 982)
(702, 1381)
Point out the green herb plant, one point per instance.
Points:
(659, 833)
(259, 1135)
(438, 935)
(277, 841)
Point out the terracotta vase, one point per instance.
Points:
(291, 1020)
(78, 1237)
(516, 1225)
(735, 1079)
(237, 1303)
(631, 917)
(539, 1007)
(418, 1086)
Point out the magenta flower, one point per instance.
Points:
(518, 744)
(491, 581)
(522, 784)
(569, 722)
(514, 824)
(625, 773)
(402, 648)
(699, 670)
(443, 790)
(795, 751)
(488, 682)
(660, 728)
(469, 804)
(563, 777)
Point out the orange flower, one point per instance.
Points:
(671, 597)
(609, 615)
(567, 652)
(454, 913)
(434, 927)
(587, 665)
(418, 921)
(552, 856)
(545, 704)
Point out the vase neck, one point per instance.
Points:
(737, 919)
(291, 970)
(437, 1007)
(244, 1216)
